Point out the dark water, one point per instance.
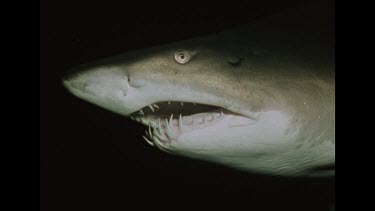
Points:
(92, 159)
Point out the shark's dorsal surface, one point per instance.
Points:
(258, 98)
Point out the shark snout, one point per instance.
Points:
(74, 85)
(105, 86)
(73, 82)
(72, 79)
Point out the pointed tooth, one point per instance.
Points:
(149, 130)
(159, 127)
(169, 130)
(156, 106)
(221, 112)
(158, 142)
(182, 103)
(132, 117)
(141, 112)
(169, 102)
(171, 119)
(160, 136)
(180, 122)
(148, 141)
(166, 123)
(152, 108)
(169, 126)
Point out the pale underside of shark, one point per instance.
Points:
(259, 98)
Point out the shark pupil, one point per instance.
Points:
(182, 57)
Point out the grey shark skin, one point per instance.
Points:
(258, 98)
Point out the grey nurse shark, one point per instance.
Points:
(258, 98)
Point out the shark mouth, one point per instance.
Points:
(166, 121)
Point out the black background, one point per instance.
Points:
(92, 159)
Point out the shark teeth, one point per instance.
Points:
(163, 128)
(148, 141)
(152, 108)
(169, 129)
(149, 130)
(180, 124)
(190, 105)
(171, 118)
(159, 127)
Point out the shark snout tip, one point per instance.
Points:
(65, 83)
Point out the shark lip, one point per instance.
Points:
(166, 121)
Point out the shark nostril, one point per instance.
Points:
(126, 88)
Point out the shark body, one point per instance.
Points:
(258, 98)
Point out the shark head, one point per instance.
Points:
(222, 98)
(190, 96)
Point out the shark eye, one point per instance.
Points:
(182, 57)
